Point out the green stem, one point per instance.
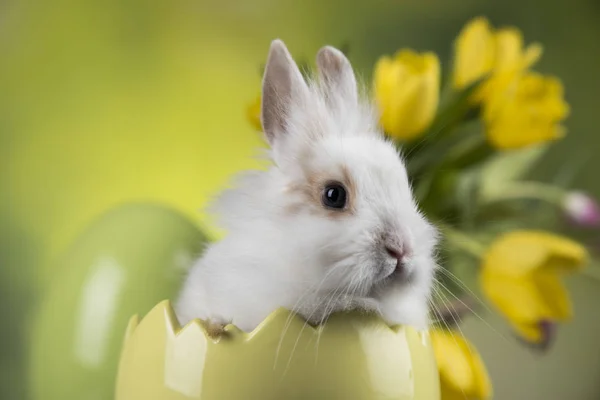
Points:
(528, 190)
(463, 241)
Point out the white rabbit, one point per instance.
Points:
(331, 226)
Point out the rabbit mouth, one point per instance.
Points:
(401, 275)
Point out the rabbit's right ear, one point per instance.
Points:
(337, 75)
(283, 86)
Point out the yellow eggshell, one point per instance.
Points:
(353, 356)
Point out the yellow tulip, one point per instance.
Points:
(475, 52)
(521, 277)
(482, 50)
(253, 113)
(524, 112)
(462, 373)
(511, 56)
(407, 92)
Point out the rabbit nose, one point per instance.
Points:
(396, 253)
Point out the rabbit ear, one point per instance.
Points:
(283, 86)
(336, 73)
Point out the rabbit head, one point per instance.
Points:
(333, 221)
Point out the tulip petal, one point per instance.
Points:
(566, 256)
(417, 102)
(509, 135)
(402, 103)
(389, 77)
(517, 298)
(452, 358)
(521, 276)
(449, 392)
(509, 49)
(385, 79)
(554, 295)
(538, 336)
(474, 52)
(515, 254)
(529, 332)
(519, 253)
(253, 113)
(462, 371)
(522, 110)
(407, 92)
(532, 54)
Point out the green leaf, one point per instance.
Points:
(429, 154)
(466, 194)
(570, 171)
(454, 107)
(506, 167)
(472, 150)
(463, 147)
(433, 192)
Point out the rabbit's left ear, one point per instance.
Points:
(336, 73)
(283, 88)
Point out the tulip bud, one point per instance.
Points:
(253, 113)
(463, 374)
(522, 275)
(582, 209)
(527, 112)
(407, 92)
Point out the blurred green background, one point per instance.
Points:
(107, 102)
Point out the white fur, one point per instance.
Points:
(302, 260)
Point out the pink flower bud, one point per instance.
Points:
(582, 209)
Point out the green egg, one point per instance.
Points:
(128, 260)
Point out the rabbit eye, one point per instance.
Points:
(334, 196)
